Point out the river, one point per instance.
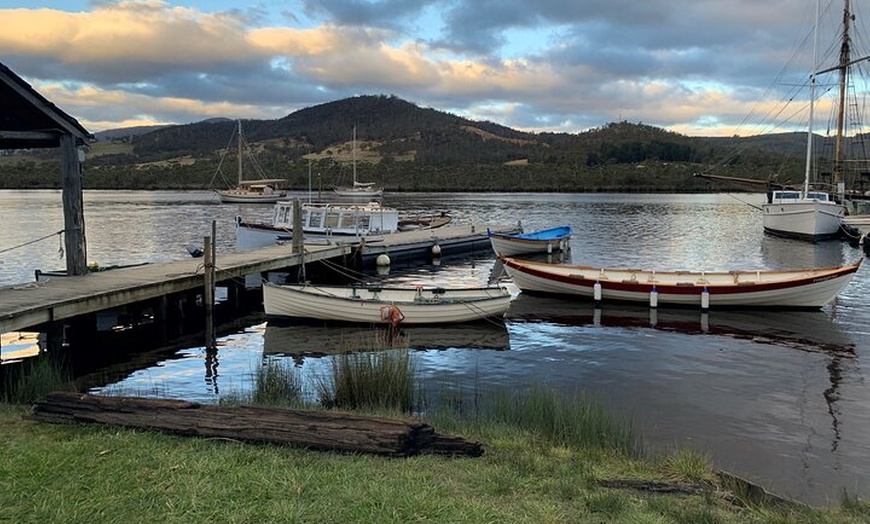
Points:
(780, 398)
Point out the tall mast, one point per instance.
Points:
(240, 152)
(353, 155)
(808, 167)
(839, 151)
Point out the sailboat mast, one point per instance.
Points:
(839, 151)
(240, 152)
(353, 156)
(808, 166)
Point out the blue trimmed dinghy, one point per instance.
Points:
(542, 241)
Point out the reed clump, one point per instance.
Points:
(382, 381)
(576, 419)
(277, 383)
(35, 378)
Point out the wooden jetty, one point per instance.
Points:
(65, 297)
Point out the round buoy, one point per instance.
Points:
(436, 250)
(383, 260)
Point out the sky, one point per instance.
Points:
(700, 67)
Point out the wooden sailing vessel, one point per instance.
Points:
(253, 191)
(771, 289)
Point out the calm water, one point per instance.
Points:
(780, 398)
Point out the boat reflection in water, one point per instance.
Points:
(302, 338)
(803, 330)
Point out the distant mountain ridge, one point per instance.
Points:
(410, 148)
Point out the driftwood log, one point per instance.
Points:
(316, 430)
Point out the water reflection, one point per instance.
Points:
(18, 345)
(785, 253)
(315, 339)
(803, 330)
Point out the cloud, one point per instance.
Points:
(668, 63)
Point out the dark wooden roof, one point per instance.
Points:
(28, 119)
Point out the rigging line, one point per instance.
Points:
(744, 202)
(62, 231)
(343, 271)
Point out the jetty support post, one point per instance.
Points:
(208, 295)
(299, 237)
(73, 207)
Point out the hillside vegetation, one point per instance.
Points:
(408, 148)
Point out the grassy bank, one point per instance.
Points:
(51, 473)
(548, 458)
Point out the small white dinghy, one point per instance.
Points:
(385, 305)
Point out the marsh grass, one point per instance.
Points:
(578, 420)
(690, 466)
(382, 381)
(854, 505)
(277, 383)
(35, 378)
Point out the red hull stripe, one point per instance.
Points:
(688, 288)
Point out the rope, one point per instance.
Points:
(744, 202)
(348, 273)
(62, 231)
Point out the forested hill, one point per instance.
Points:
(407, 147)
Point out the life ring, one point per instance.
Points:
(392, 314)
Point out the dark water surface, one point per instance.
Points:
(780, 398)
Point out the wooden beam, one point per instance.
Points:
(46, 136)
(311, 429)
(73, 208)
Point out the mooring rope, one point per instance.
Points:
(40, 239)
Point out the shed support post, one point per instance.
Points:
(73, 208)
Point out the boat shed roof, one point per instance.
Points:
(29, 120)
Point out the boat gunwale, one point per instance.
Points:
(532, 268)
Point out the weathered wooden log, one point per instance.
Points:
(317, 430)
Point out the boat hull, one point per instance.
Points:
(230, 197)
(805, 219)
(370, 305)
(545, 241)
(358, 193)
(794, 289)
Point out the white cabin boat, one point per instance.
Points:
(813, 215)
(320, 221)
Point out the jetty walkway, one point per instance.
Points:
(64, 297)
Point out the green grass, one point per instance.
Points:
(33, 379)
(576, 419)
(547, 457)
(691, 466)
(381, 381)
(277, 383)
(60, 473)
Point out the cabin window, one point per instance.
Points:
(822, 197)
(281, 215)
(788, 195)
(349, 220)
(364, 221)
(332, 219)
(315, 219)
